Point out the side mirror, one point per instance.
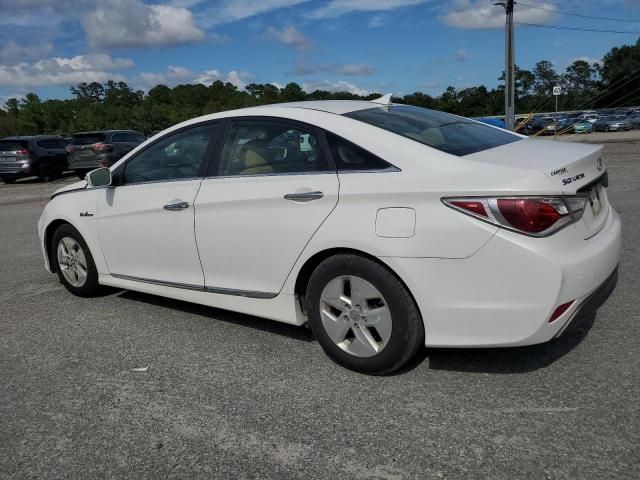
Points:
(100, 177)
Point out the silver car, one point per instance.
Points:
(612, 123)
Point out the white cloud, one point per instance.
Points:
(377, 21)
(289, 36)
(64, 71)
(11, 52)
(350, 69)
(228, 11)
(480, 14)
(131, 23)
(339, 86)
(462, 55)
(176, 75)
(589, 60)
(335, 8)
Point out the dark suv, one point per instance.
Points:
(43, 156)
(91, 150)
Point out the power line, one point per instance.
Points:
(537, 25)
(579, 14)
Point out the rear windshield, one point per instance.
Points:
(87, 138)
(13, 145)
(443, 131)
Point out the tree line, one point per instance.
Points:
(115, 105)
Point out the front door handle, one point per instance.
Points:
(174, 207)
(304, 196)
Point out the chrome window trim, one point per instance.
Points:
(158, 181)
(199, 288)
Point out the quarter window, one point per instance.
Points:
(349, 157)
(175, 157)
(267, 148)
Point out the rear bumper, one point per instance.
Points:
(505, 294)
(17, 169)
(594, 301)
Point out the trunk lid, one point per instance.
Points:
(573, 168)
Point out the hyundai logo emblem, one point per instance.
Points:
(599, 164)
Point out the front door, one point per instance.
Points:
(146, 223)
(274, 188)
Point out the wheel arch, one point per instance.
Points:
(48, 240)
(309, 266)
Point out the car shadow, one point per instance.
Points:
(509, 360)
(249, 321)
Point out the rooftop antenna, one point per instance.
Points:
(384, 100)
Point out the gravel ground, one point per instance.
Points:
(232, 396)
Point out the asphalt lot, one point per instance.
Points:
(232, 396)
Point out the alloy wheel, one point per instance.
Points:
(72, 262)
(355, 316)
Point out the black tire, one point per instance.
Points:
(45, 173)
(606, 128)
(8, 180)
(407, 332)
(81, 174)
(91, 287)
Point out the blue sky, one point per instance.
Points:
(397, 46)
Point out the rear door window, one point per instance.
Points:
(442, 131)
(52, 144)
(88, 138)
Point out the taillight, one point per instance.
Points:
(24, 151)
(536, 216)
(69, 148)
(531, 215)
(102, 147)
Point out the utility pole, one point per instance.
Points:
(509, 66)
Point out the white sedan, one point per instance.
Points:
(386, 227)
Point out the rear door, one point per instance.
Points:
(272, 186)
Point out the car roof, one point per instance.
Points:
(93, 132)
(33, 137)
(338, 107)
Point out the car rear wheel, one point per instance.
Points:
(73, 262)
(46, 172)
(362, 315)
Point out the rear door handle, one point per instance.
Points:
(174, 207)
(304, 196)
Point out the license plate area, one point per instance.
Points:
(595, 199)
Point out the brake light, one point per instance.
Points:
(24, 151)
(536, 216)
(529, 214)
(102, 147)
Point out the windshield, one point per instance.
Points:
(443, 131)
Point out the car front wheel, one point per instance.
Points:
(73, 262)
(362, 315)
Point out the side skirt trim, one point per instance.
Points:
(199, 288)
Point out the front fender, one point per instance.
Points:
(77, 209)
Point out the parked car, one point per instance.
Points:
(612, 123)
(634, 120)
(591, 117)
(541, 126)
(496, 122)
(582, 126)
(42, 156)
(399, 227)
(90, 150)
